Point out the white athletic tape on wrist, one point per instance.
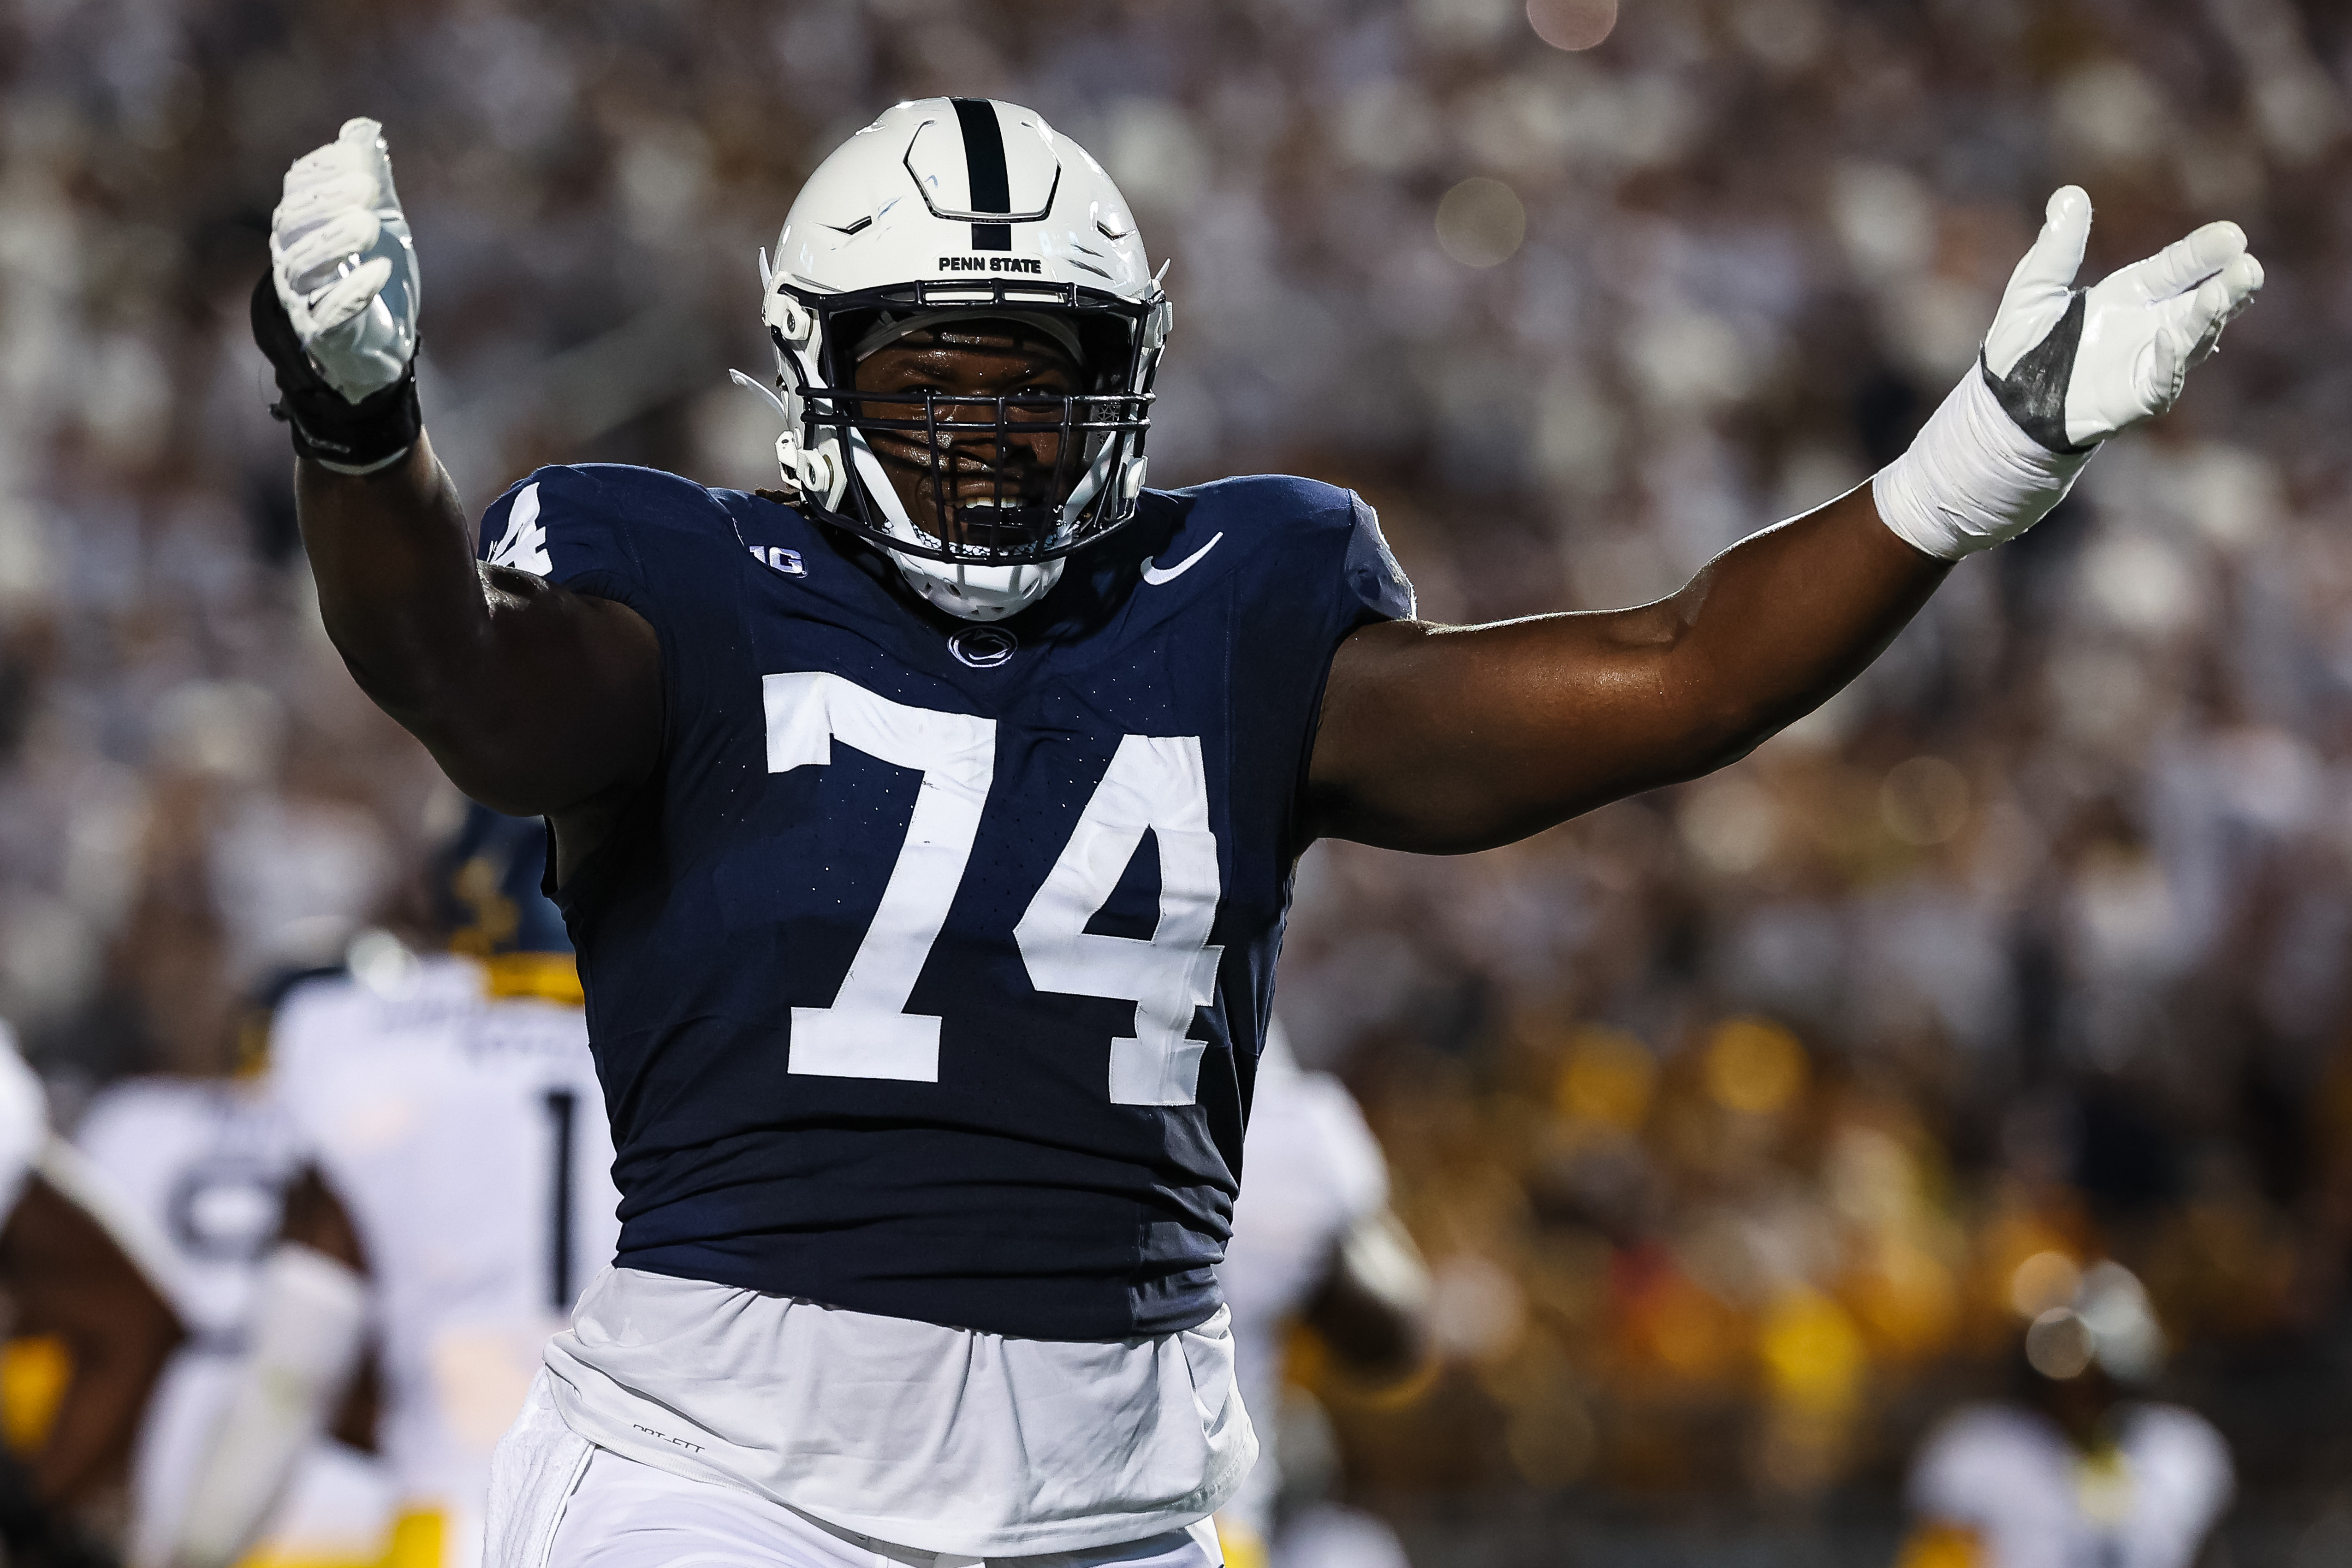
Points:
(310, 1313)
(1972, 478)
(360, 470)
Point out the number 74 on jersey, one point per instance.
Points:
(1155, 782)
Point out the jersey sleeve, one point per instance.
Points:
(1372, 587)
(567, 525)
(1316, 569)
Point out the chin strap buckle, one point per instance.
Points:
(812, 471)
(808, 470)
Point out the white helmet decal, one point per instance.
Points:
(964, 206)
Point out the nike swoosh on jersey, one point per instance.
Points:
(1155, 575)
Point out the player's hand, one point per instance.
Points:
(2062, 369)
(343, 265)
(2071, 366)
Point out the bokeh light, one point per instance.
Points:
(1754, 1066)
(1925, 801)
(1480, 223)
(2059, 1344)
(1572, 24)
(1607, 1079)
(2042, 1282)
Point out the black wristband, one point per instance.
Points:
(327, 425)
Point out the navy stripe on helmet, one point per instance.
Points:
(985, 170)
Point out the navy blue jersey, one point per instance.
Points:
(927, 974)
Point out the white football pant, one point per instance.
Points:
(558, 1502)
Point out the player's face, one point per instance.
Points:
(976, 464)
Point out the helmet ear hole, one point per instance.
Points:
(1107, 347)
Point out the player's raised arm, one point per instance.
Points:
(1447, 739)
(533, 699)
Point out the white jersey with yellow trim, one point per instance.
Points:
(203, 1162)
(1311, 1170)
(465, 1133)
(23, 1122)
(2007, 1476)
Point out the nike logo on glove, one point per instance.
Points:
(1155, 574)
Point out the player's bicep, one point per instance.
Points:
(1447, 739)
(570, 706)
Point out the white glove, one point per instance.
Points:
(344, 264)
(2124, 346)
(2062, 369)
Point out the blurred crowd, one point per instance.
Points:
(1742, 1123)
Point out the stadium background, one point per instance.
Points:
(1726, 1115)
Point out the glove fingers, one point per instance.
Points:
(2243, 280)
(2036, 298)
(330, 164)
(2182, 265)
(2057, 252)
(346, 298)
(358, 146)
(364, 138)
(322, 194)
(2163, 372)
(2219, 299)
(311, 257)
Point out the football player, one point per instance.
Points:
(76, 1270)
(1313, 1242)
(206, 1162)
(454, 1195)
(926, 824)
(2070, 1469)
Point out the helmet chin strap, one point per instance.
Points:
(973, 593)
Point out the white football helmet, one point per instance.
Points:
(959, 209)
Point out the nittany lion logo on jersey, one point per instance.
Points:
(524, 545)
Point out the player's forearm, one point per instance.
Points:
(118, 1348)
(1445, 740)
(1373, 1310)
(308, 1322)
(403, 603)
(397, 585)
(1769, 631)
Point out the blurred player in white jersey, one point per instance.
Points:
(78, 1274)
(1314, 1242)
(206, 1161)
(456, 1194)
(2070, 1472)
